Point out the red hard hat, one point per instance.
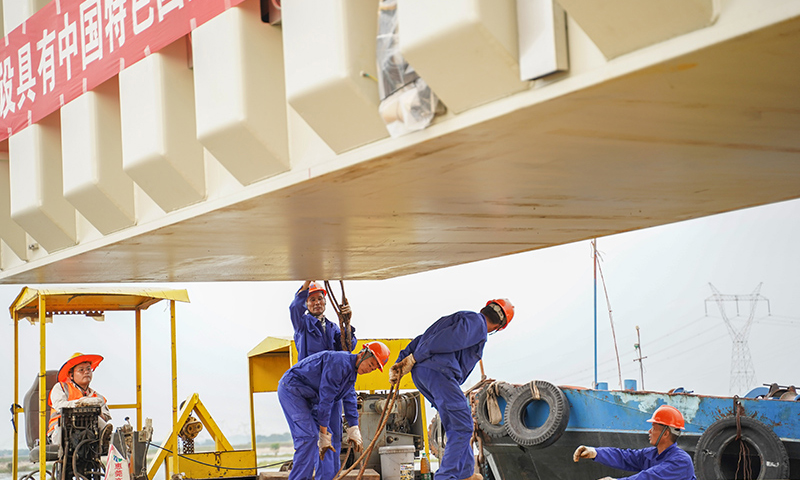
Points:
(669, 416)
(316, 287)
(380, 351)
(506, 308)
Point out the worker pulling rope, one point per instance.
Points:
(344, 318)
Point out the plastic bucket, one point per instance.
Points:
(397, 462)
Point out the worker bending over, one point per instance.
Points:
(72, 390)
(440, 360)
(314, 333)
(307, 392)
(663, 461)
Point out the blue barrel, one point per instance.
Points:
(630, 384)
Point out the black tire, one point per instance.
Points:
(551, 430)
(717, 453)
(506, 391)
(436, 437)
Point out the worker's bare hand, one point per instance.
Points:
(583, 452)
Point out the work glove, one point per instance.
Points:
(583, 452)
(324, 444)
(608, 478)
(354, 436)
(405, 365)
(347, 312)
(90, 402)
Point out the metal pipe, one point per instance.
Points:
(138, 369)
(594, 257)
(42, 387)
(174, 346)
(14, 416)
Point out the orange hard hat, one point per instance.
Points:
(380, 351)
(505, 310)
(669, 416)
(77, 359)
(316, 287)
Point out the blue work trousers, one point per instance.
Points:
(302, 419)
(445, 395)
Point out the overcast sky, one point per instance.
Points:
(656, 278)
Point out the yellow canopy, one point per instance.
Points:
(90, 302)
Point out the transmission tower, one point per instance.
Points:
(742, 371)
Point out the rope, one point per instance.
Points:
(393, 391)
(534, 390)
(344, 320)
(216, 466)
(744, 451)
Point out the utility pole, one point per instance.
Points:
(743, 372)
(638, 347)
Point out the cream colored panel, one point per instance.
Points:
(542, 28)
(10, 231)
(327, 46)
(621, 26)
(466, 50)
(17, 11)
(37, 193)
(160, 151)
(92, 149)
(239, 93)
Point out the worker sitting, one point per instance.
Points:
(664, 460)
(307, 393)
(72, 390)
(440, 360)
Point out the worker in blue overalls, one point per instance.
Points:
(307, 393)
(440, 360)
(663, 461)
(314, 333)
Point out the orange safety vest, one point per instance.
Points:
(73, 393)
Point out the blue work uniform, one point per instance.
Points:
(671, 464)
(311, 337)
(307, 392)
(445, 356)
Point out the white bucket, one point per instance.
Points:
(397, 462)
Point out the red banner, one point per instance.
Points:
(70, 46)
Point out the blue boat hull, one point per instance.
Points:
(619, 419)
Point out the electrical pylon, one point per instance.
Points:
(743, 372)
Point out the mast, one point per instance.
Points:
(594, 260)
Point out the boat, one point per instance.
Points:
(542, 425)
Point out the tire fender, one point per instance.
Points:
(761, 440)
(504, 390)
(553, 427)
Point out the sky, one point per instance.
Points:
(656, 279)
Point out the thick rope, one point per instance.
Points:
(393, 391)
(344, 320)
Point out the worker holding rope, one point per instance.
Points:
(440, 360)
(307, 393)
(314, 333)
(664, 460)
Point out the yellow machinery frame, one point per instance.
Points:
(270, 359)
(39, 306)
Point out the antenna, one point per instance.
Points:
(638, 347)
(743, 372)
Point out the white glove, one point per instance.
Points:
(584, 452)
(354, 434)
(324, 444)
(90, 402)
(608, 478)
